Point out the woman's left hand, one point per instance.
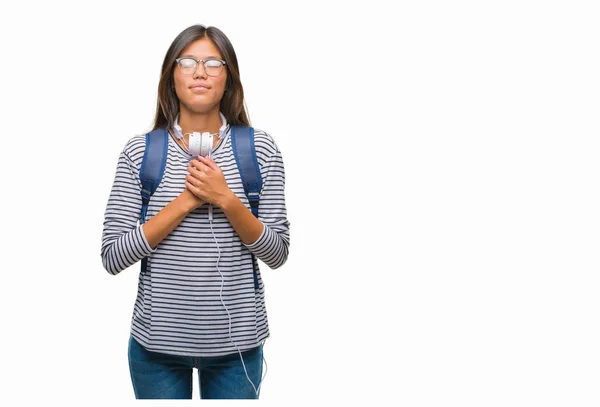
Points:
(206, 180)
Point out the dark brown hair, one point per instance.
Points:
(232, 103)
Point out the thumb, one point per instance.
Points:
(208, 161)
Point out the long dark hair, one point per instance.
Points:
(232, 103)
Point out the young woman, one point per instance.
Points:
(200, 301)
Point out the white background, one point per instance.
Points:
(442, 188)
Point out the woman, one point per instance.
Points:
(197, 304)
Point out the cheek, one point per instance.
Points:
(222, 82)
(219, 85)
(177, 86)
(179, 81)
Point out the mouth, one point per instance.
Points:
(199, 87)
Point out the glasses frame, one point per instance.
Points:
(204, 61)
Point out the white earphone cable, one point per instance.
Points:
(210, 219)
(256, 390)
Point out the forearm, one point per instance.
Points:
(163, 223)
(265, 235)
(247, 226)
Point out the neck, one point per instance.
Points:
(201, 122)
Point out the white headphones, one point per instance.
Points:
(200, 144)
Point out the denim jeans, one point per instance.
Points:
(160, 376)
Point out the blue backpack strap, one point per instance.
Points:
(153, 166)
(152, 170)
(242, 143)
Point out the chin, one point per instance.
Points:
(201, 107)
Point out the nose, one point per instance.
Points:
(200, 71)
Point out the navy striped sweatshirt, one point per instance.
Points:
(178, 309)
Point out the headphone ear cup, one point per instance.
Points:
(201, 144)
(206, 146)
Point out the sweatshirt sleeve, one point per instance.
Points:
(123, 240)
(273, 244)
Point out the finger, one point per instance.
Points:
(199, 165)
(195, 172)
(209, 162)
(193, 180)
(193, 189)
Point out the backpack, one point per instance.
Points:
(155, 161)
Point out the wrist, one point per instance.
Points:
(187, 201)
(227, 201)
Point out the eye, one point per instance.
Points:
(187, 63)
(213, 63)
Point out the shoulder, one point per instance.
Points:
(134, 150)
(265, 145)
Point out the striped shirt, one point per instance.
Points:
(178, 308)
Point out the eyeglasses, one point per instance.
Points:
(188, 65)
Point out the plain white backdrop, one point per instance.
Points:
(442, 188)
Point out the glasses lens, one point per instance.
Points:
(213, 67)
(187, 66)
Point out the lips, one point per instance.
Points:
(199, 86)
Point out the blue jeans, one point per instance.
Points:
(160, 376)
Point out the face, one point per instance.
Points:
(199, 92)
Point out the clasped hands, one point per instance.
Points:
(206, 181)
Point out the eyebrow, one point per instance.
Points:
(195, 57)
